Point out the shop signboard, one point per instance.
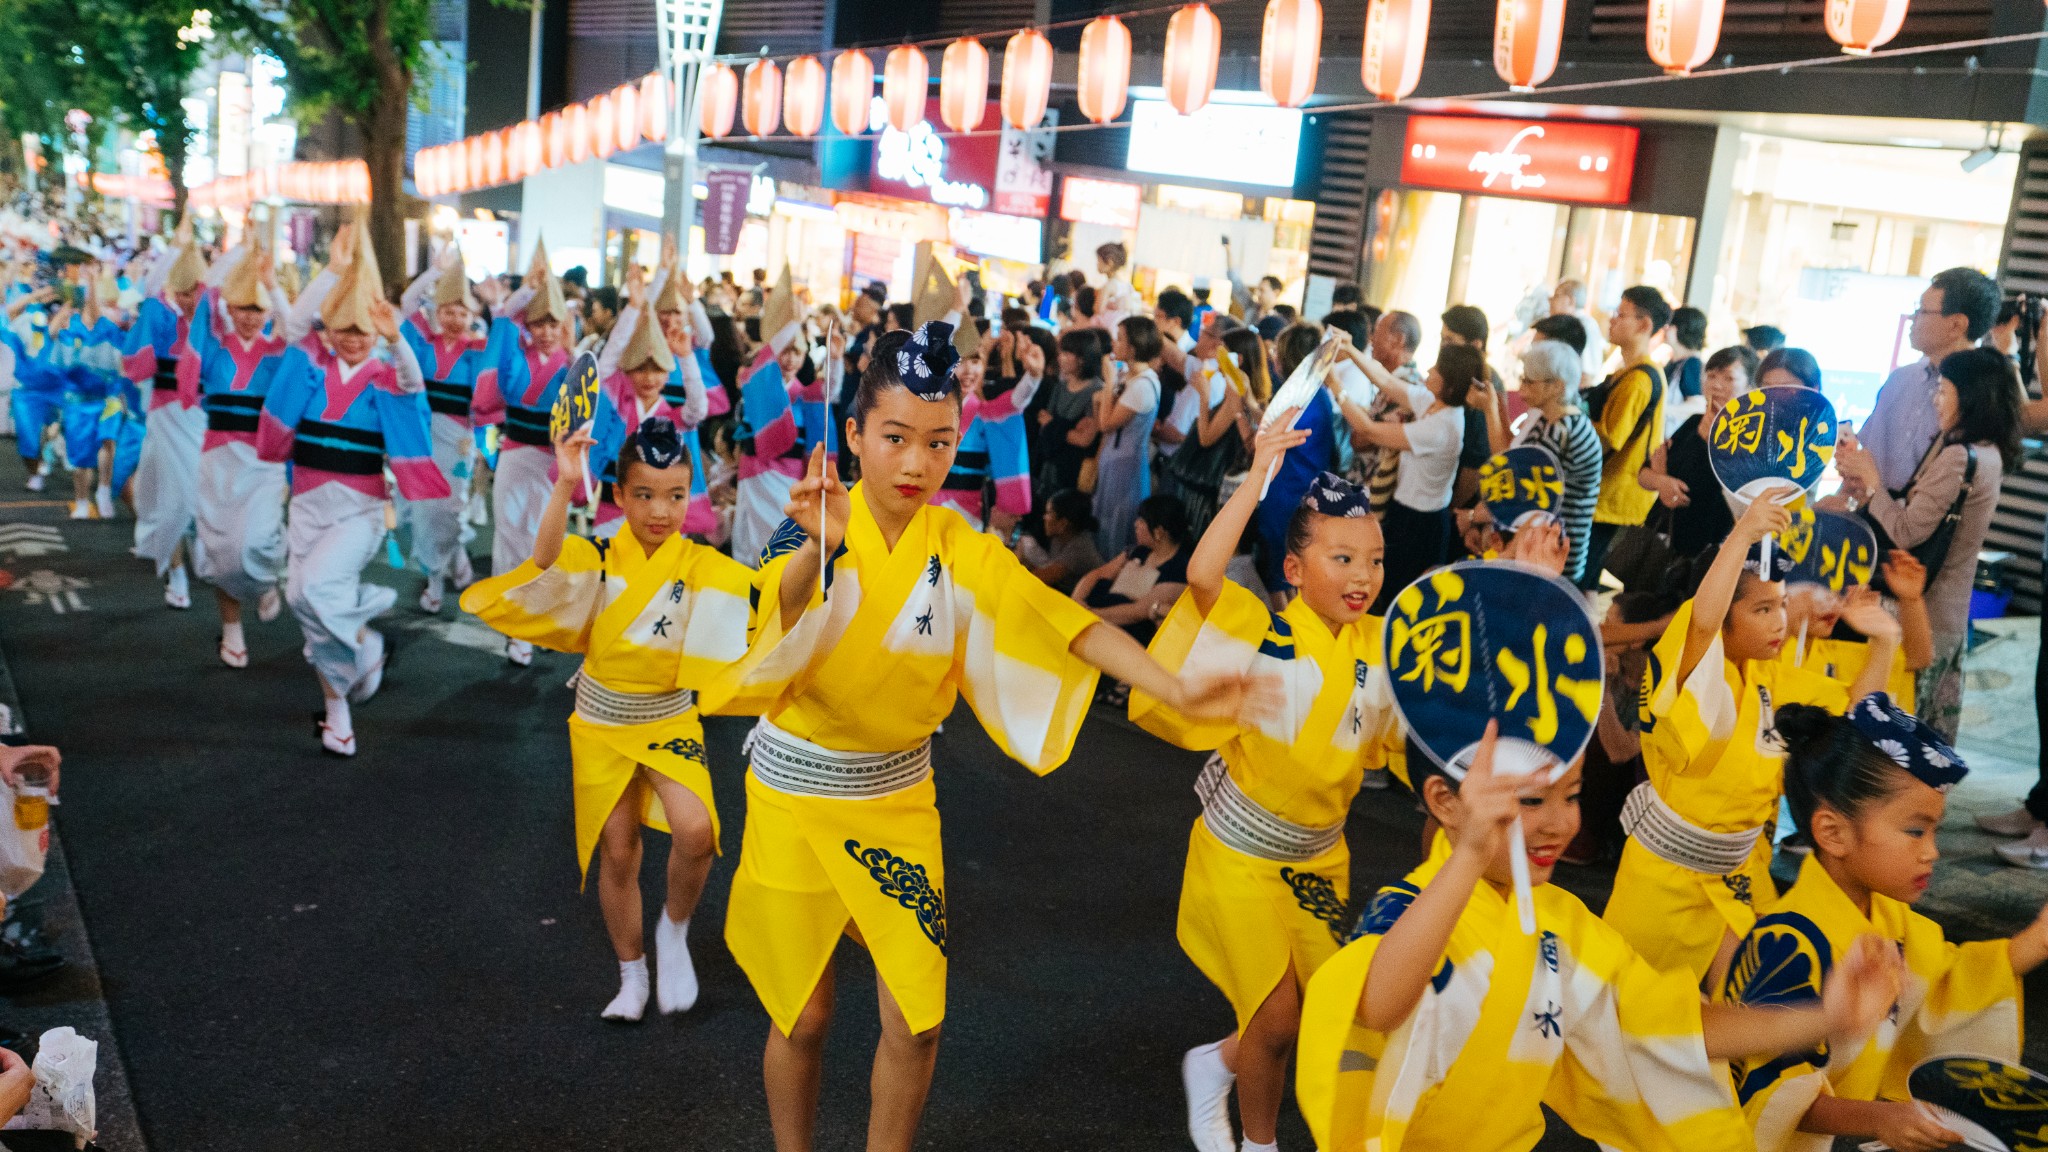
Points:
(954, 171)
(1018, 238)
(1108, 202)
(725, 208)
(875, 216)
(1024, 169)
(1231, 143)
(1533, 159)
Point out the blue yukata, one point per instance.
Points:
(157, 354)
(239, 511)
(38, 397)
(517, 392)
(453, 363)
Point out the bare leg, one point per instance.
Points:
(230, 608)
(618, 875)
(1259, 1057)
(81, 485)
(689, 854)
(902, 1077)
(792, 1065)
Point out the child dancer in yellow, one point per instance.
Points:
(1262, 904)
(1444, 1027)
(657, 618)
(1696, 870)
(1869, 789)
(842, 833)
(1812, 610)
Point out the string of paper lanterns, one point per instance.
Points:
(1681, 35)
(308, 182)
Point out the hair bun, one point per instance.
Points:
(1805, 729)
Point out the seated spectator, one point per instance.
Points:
(1134, 590)
(1069, 551)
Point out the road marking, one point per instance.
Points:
(31, 540)
(463, 632)
(60, 592)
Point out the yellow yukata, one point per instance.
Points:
(1842, 662)
(646, 626)
(1569, 1017)
(1713, 761)
(1260, 895)
(1959, 999)
(856, 689)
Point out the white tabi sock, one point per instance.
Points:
(632, 998)
(675, 983)
(231, 636)
(179, 581)
(338, 719)
(1208, 1083)
(1251, 1147)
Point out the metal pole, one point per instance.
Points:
(688, 36)
(533, 34)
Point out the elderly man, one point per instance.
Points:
(1569, 299)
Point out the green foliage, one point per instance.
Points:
(335, 51)
(119, 60)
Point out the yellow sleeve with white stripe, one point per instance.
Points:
(1222, 644)
(1019, 672)
(553, 607)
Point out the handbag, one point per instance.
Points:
(1641, 553)
(1933, 551)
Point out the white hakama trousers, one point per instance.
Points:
(519, 491)
(167, 481)
(240, 521)
(436, 525)
(335, 532)
(757, 513)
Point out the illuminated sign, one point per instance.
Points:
(1534, 159)
(1018, 238)
(957, 171)
(1110, 202)
(1233, 143)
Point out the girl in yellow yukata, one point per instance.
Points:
(1695, 872)
(657, 618)
(842, 834)
(1263, 899)
(1870, 790)
(1445, 1028)
(1813, 610)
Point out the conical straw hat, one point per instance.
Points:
(244, 287)
(353, 301)
(453, 287)
(647, 345)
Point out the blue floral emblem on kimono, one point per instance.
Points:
(908, 885)
(1318, 897)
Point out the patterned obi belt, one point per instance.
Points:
(1243, 826)
(601, 705)
(450, 398)
(1672, 838)
(527, 426)
(797, 766)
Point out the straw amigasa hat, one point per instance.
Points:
(352, 303)
(244, 286)
(779, 310)
(671, 297)
(288, 279)
(647, 345)
(453, 287)
(548, 302)
(935, 295)
(188, 271)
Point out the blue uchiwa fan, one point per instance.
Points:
(1772, 440)
(1834, 550)
(1477, 642)
(1521, 486)
(576, 407)
(1994, 1106)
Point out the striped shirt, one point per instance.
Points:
(1572, 439)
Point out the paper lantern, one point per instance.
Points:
(472, 168)
(906, 78)
(1861, 25)
(1682, 33)
(1104, 78)
(963, 84)
(554, 135)
(335, 187)
(626, 116)
(531, 147)
(494, 159)
(654, 107)
(853, 85)
(1290, 51)
(1194, 40)
(718, 96)
(577, 116)
(602, 121)
(803, 96)
(358, 182)
(422, 174)
(1027, 78)
(1396, 35)
(761, 98)
(1526, 35)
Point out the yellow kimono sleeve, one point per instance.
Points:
(1635, 1072)
(775, 656)
(1335, 1056)
(1691, 715)
(1019, 672)
(1224, 643)
(553, 607)
(724, 616)
(1972, 1003)
(1796, 685)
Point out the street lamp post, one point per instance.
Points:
(688, 35)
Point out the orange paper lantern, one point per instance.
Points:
(422, 175)
(531, 147)
(718, 97)
(906, 77)
(626, 116)
(577, 117)
(494, 159)
(654, 107)
(1194, 41)
(761, 98)
(554, 135)
(1396, 35)
(803, 96)
(473, 169)
(1104, 79)
(963, 84)
(1290, 51)
(853, 85)
(1682, 33)
(602, 121)
(1526, 36)
(1861, 25)
(1027, 78)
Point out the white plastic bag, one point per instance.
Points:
(62, 1100)
(22, 850)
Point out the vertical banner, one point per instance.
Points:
(725, 208)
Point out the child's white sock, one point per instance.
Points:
(231, 635)
(676, 985)
(1249, 1146)
(338, 720)
(632, 998)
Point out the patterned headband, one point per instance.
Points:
(1907, 741)
(926, 362)
(1333, 495)
(657, 444)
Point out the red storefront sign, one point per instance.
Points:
(1533, 159)
(1110, 202)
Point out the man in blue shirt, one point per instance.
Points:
(1955, 312)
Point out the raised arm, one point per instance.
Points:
(1717, 591)
(571, 460)
(1906, 577)
(298, 323)
(1865, 613)
(818, 496)
(1208, 567)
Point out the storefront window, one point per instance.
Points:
(1199, 201)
